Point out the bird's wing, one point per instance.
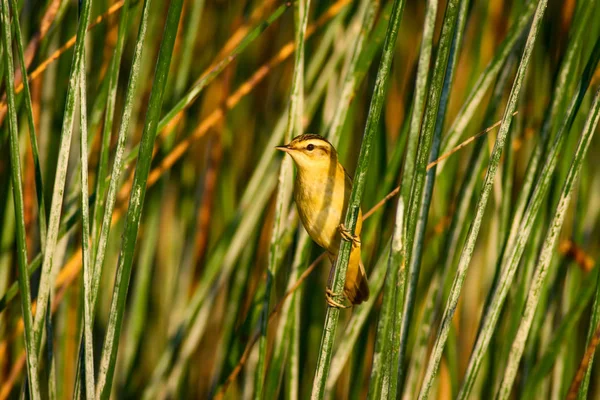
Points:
(348, 177)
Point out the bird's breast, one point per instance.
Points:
(321, 205)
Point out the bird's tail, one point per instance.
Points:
(356, 288)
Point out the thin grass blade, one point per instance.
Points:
(485, 80)
(566, 326)
(61, 175)
(17, 189)
(423, 180)
(85, 243)
(39, 187)
(546, 253)
(284, 193)
(508, 270)
(111, 97)
(339, 276)
(467, 252)
(136, 202)
(584, 386)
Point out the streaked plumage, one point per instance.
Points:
(321, 191)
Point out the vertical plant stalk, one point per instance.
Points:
(565, 78)
(485, 80)
(359, 318)
(360, 27)
(384, 378)
(39, 187)
(585, 366)
(136, 202)
(546, 253)
(394, 289)
(15, 172)
(61, 175)
(215, 116)
(428, 150)
(287, 322)
(467, 252)
(115, 177)
(339, 276)
(558, 338)
(141, 291)
(85, 242)
(423, 153)
(50, 355)
(464, 198)
(354, 74)
(293, 371)
(217, 68)
(117, 168)
(191, 34)
(419, 99)
(594, 320)
(508, 268)
(113, 80)
(284, 193)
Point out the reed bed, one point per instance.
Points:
(150, 246)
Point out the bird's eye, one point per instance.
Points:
(310, 147)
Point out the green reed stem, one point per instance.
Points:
(136, 202)
(339, 276)
(17, 189)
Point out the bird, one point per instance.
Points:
(321, 192)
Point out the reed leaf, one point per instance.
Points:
(465, 258)
(104, 208)
(395, 284)
(284, 193)
(111, 88)
(428, 150)
(136, 202)
(358, 320)
(583, 389)
(17, 189)
(61, 175)
(548, 358)
(339, 275)
(508, 270)
(546, 253)
(88, 340)
(39, 187)
(216, 222)
(485, 80)
(464, 198)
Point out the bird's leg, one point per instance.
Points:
(348, 236)
(330, 298)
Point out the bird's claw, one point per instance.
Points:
(348, 236)
(330, 299)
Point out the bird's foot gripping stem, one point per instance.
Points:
(348, 236)
(330, 297)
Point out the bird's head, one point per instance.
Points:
(310, 152)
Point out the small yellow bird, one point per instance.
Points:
(322, 191)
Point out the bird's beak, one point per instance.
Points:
(283, 148)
